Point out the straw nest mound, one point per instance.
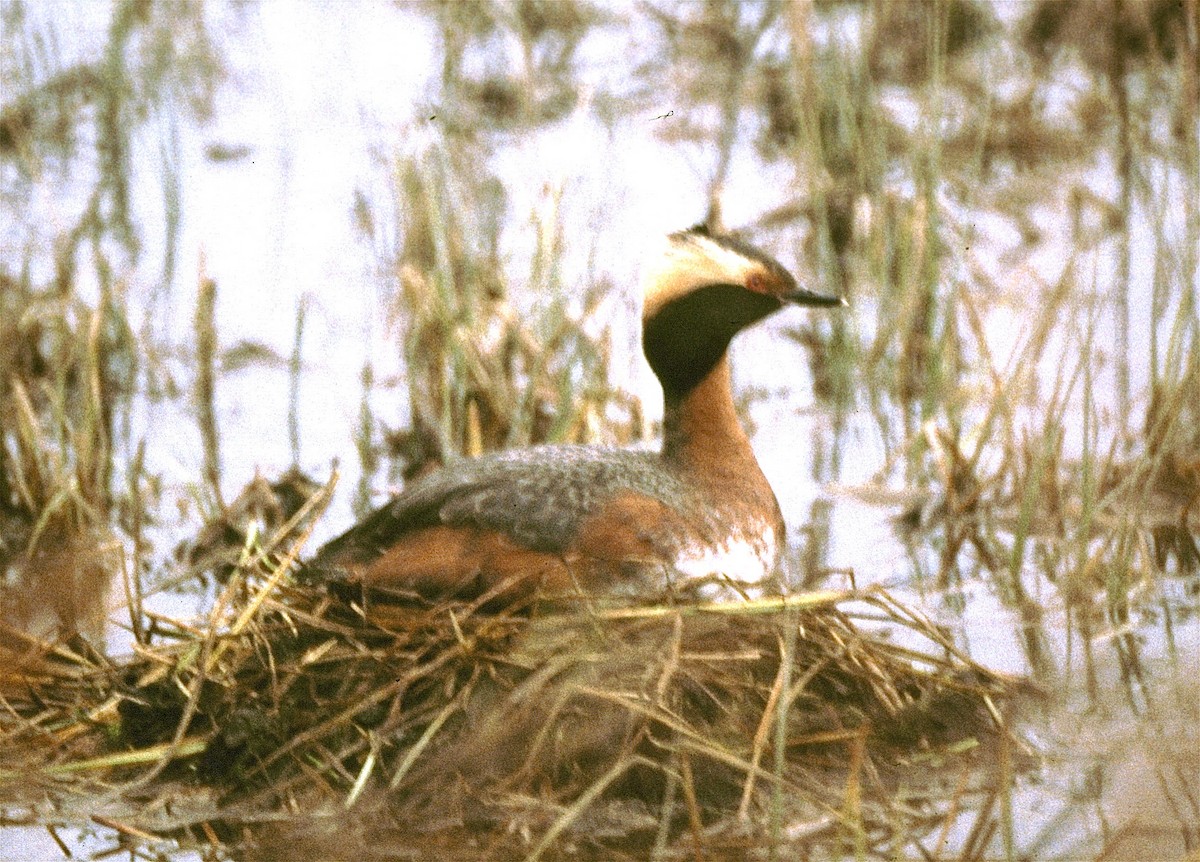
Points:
(297, 722)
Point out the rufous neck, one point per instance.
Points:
(701, 429)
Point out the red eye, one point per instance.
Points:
(757, 282)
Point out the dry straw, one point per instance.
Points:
(299, 719)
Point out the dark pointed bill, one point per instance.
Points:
(800, 296)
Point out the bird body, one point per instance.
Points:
(566, 518)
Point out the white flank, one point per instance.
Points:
(738, 565)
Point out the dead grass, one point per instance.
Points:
(64, 374)
(295, 719)
(293, 724)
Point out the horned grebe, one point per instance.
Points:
(559, 518)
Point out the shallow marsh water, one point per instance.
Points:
(274, 229)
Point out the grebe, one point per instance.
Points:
(565, 518)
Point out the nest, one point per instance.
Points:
(298, 719)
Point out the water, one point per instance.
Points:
(275, 229)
